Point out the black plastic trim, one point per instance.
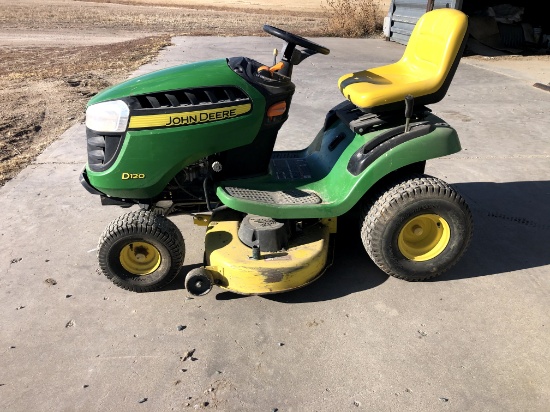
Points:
(274, 88)
(187, 97)
(103, 149)
(332, 115)
(384, 142)
(361, 123)
(105, 200)
(84, 182)
(258, 153)
(190, 108)
(337, 140)
(110, 201)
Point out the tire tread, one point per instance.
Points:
(145, 222)
(380, 207)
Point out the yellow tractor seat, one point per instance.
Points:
(425, 70)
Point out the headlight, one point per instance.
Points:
(108, 117)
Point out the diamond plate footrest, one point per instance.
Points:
(279, 197)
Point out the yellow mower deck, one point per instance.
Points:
(232, 267)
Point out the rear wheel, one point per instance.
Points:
(416, 228)
(141, 251)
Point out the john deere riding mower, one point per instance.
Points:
(198, 139)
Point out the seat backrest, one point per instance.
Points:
(435, 48)
(425, 70)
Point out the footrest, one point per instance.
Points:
(279, 197)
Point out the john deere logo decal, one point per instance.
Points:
(188, 118)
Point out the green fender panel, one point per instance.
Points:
(335, 185)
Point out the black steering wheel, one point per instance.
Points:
(294, 39)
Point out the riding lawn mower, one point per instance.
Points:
(198, 139)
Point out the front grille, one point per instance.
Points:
(102, 149)
(190, 97)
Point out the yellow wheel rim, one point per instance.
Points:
(140, 258)
(424, 237)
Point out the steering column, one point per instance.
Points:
(291, 55)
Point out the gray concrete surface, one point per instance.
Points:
(475, 339)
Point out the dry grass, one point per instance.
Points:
(281, 7)
(176, 21)
(352, 18)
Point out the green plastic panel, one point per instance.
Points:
(201, 74)
(330, 179)
(155, 156)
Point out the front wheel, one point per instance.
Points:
(417, 228)
(141, 251)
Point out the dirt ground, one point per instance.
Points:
(56, 54)
(44, 90)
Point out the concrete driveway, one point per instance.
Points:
(475, 339)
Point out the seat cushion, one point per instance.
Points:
(434, 47)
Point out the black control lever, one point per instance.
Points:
(409, 105)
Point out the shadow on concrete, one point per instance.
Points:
(229, 296)
(352, 270)
(511, 230)
(179, 281)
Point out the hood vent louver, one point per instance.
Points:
(189, 98)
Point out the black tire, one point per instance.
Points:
(387, 220)
(199, 282)
(138, 235)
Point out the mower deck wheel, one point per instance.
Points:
(141, 251)
(416, 228)
(199, 282)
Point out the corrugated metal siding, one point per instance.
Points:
(405, 13)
